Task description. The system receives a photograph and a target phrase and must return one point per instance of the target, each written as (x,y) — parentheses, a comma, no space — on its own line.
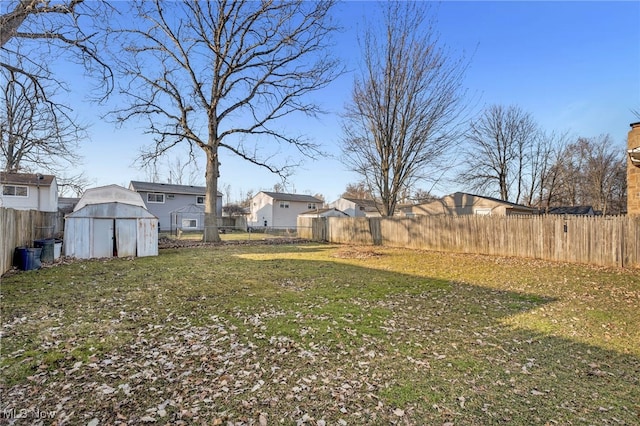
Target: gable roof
(169,188)
(283,196)
(30,179)
(466,194)
(322,211)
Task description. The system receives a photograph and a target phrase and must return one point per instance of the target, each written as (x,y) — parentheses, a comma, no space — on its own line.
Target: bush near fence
(20,228)
(605,241)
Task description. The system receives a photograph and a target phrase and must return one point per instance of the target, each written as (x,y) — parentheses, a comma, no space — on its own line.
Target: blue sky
(575,66)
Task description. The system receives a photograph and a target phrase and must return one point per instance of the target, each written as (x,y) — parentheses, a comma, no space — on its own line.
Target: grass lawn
(320,335)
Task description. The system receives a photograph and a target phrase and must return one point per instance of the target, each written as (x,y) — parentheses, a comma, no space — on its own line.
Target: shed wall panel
(126,237)
(102,238)
(147,237)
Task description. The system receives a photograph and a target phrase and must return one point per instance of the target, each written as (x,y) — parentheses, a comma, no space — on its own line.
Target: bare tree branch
(405,105)
(222,74)
(35,132)
(498,149)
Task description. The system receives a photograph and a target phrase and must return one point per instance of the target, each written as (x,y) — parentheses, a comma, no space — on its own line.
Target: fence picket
(605,241)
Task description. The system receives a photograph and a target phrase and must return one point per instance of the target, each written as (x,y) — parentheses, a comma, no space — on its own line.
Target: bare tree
(358,191)
(34,33)
(221,75)
(401,120)
(591,171)
(540,174)
(496,153)
(35,132)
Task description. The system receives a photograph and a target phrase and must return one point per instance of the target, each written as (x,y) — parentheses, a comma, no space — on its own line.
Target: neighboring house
(110,221)
(324,212)
(278,209)
(67,204)
(572,210)
(29,191)
(461,203)
(355,207)
(169,202)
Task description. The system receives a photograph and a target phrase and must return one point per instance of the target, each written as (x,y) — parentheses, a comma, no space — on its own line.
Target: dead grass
(320,334)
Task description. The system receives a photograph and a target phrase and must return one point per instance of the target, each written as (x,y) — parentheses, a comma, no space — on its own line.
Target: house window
(311,206)
(189,223)
(155,198)
(284,204)
(200,199)
(170,196)
(15,191)
(483,212)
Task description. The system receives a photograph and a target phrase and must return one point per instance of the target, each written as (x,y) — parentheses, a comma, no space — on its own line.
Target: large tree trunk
(211,198)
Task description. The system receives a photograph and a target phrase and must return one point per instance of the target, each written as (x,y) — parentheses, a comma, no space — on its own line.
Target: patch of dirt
(357,252)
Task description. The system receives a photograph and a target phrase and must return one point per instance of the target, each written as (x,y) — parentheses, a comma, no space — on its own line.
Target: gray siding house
(175,206)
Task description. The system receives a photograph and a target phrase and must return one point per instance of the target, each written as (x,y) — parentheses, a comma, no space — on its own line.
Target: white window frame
(15,188)
(311,206)
(284,204)
(198,197)
(194,221)
(155,200)
(482,211)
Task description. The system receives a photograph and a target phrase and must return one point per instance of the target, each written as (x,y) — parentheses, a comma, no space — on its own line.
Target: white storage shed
(110,222)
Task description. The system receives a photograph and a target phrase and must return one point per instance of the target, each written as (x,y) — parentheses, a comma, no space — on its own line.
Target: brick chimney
(633,172)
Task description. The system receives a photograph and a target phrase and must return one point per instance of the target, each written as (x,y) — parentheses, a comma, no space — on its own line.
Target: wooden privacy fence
(605,241)
(20,228)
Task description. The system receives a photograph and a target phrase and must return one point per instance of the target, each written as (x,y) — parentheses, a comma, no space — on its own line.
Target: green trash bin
(47,247)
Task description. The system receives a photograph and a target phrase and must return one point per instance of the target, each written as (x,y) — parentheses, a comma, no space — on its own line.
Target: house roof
(283,196)
(30,179)
(320,212)
(496,200)
(574,210)
(169,188)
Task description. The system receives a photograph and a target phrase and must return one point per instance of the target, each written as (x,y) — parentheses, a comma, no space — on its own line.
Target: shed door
(126,237)
(147,237)
(102,238)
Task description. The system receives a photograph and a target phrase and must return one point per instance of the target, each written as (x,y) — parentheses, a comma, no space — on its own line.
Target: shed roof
(108,194)
(283,196)
(111,210)
(169,188)
(32,179)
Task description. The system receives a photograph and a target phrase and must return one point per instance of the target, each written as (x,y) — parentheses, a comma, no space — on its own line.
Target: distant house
(461,203)
(28,191)
(67,204)
(175,206)
(324,212)
(572,210)
(355,207)
(278,209)
(110,221)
